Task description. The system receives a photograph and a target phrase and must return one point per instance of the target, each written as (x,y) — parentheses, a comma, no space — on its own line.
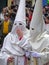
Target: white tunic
(15,47)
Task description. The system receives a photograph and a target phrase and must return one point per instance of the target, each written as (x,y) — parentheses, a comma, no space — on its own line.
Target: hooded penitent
(37,31)
(36,26)
(20,20)
(39,38)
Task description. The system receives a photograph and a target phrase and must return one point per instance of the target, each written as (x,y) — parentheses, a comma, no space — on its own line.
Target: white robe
(15,47)
(41,45)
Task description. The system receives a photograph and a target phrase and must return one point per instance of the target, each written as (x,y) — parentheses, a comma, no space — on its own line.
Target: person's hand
(10,59)
(35,54)
(27,54)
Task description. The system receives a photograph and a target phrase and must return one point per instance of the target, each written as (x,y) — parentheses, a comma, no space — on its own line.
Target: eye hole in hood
(20,23)
(32,28)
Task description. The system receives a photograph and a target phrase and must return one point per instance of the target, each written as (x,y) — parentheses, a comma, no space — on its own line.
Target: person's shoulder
(8,35)
(46,37)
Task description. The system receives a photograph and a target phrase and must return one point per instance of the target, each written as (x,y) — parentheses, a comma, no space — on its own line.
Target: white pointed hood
(36,26)
(20,19)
